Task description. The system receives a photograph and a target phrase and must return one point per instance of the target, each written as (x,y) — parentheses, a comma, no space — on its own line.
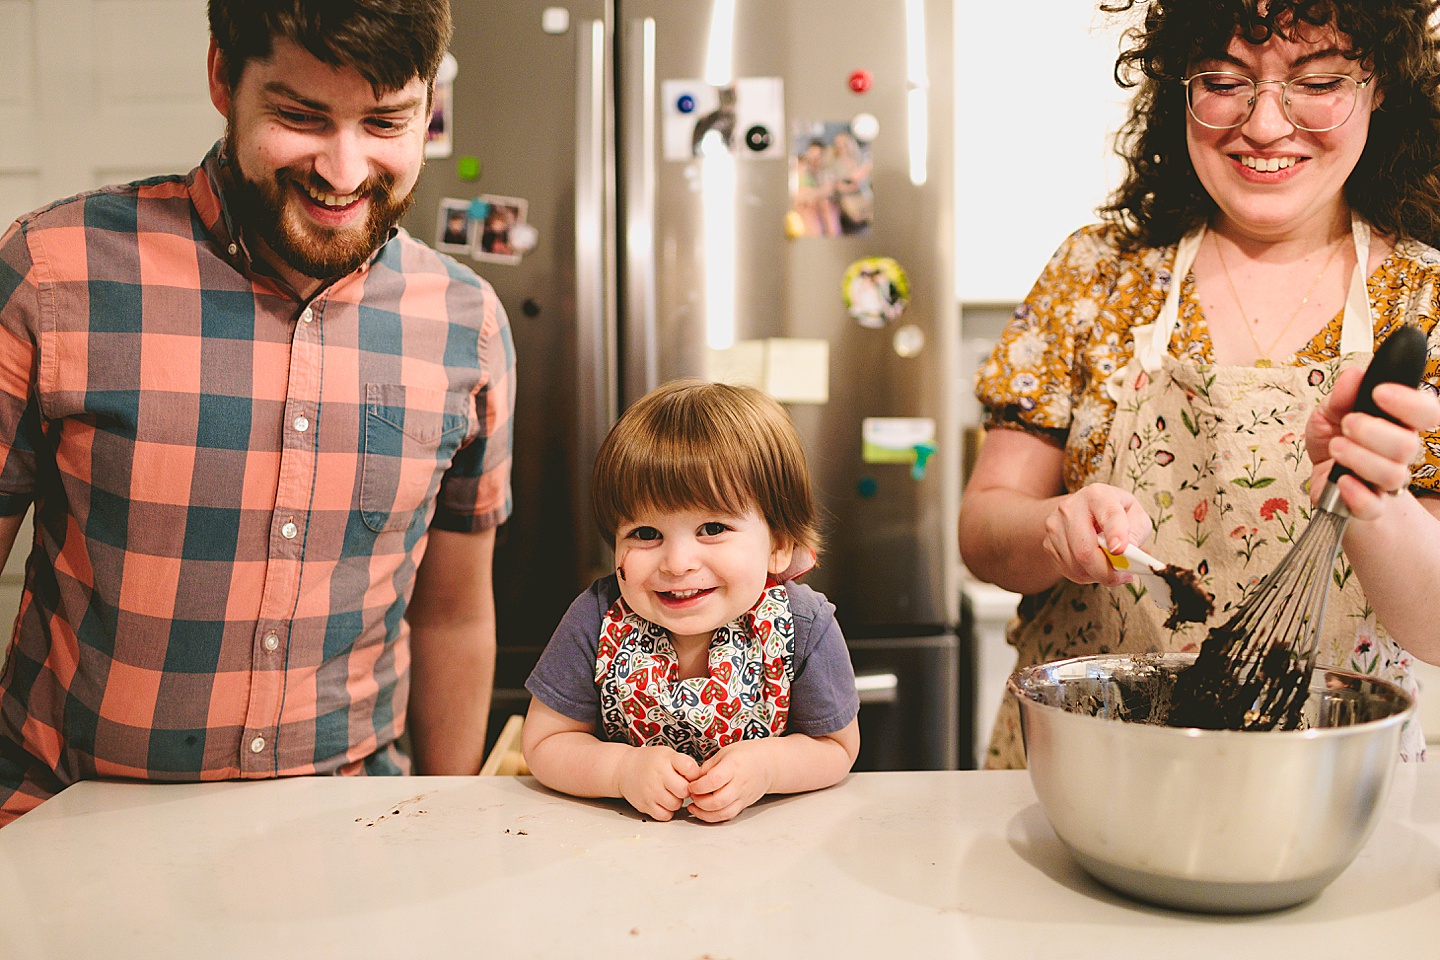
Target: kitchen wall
(1036,110)
(99,91)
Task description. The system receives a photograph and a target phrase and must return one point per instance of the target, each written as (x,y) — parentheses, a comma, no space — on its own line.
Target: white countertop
(903,865)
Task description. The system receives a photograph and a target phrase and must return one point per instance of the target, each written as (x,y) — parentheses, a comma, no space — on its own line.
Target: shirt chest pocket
(410,436)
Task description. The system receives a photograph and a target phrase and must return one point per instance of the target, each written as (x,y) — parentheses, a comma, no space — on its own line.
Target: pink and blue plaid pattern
(232,488)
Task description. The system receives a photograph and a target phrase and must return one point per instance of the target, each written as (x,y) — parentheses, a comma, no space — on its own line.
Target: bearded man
(265,433)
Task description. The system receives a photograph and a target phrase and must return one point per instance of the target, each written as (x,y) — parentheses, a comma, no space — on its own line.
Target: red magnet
(860,81)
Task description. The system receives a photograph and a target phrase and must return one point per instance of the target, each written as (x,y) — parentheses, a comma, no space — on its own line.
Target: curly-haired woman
(1173,366)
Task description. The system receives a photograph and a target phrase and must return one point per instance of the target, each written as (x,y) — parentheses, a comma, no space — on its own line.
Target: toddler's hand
(732,779)
(656,780)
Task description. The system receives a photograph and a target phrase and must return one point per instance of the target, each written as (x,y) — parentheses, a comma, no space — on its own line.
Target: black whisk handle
(1400,359)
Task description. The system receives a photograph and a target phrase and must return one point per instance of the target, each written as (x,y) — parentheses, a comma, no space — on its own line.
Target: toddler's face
(694,571)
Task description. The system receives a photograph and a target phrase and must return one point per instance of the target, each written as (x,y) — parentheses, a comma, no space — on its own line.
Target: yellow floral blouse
(1047,373)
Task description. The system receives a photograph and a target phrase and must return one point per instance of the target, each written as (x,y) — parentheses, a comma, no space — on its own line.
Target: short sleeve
(19,409)
(475,491)
(823,699)
(1414,267)
(564,676)
(1031,380)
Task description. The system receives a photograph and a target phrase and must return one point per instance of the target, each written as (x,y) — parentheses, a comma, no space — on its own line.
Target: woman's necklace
(1264,358)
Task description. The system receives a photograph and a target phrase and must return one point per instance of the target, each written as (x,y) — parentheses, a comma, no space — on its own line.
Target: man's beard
(268,208)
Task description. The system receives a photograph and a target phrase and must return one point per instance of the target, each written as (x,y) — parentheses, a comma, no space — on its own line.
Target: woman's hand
(735,777)
(1376,451)
(1020,530)
(656,780)
(1096,515)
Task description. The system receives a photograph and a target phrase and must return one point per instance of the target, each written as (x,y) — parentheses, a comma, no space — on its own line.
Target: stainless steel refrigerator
(657,158)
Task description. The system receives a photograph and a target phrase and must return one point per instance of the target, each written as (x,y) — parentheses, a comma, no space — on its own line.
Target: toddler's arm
(743,772)
(565,755)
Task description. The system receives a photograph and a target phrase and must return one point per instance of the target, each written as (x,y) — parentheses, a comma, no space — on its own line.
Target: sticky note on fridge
(797,371)
(742,364)
(897,439)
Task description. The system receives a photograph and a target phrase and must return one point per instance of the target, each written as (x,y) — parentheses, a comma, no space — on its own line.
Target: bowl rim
(1399,717)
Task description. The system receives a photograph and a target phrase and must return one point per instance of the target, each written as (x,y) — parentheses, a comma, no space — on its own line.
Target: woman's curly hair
(1396,183)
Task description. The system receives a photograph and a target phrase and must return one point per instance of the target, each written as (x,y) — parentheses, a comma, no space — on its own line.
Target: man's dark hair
(1396,183)
(388,42)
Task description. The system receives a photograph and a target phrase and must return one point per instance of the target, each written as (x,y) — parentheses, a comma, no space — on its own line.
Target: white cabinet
(992,609)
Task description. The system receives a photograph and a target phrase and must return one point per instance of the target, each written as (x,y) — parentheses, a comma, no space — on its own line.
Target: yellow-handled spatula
(1173,588)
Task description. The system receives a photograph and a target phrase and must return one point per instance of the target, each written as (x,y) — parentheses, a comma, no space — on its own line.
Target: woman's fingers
(1089,521)
(1417,409)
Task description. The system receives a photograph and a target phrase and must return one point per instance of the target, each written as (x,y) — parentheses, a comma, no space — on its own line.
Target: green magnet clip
(923,453)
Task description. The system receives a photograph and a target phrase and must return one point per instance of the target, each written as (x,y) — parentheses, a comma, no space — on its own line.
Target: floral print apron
(744,696)
(1216,456)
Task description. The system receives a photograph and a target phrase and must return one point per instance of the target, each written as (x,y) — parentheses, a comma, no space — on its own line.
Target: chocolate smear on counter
(1192,603)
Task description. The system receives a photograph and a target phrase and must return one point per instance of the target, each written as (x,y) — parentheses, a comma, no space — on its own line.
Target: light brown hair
(690,444)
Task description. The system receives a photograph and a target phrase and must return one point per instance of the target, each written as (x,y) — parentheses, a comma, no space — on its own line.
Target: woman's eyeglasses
(1315,102)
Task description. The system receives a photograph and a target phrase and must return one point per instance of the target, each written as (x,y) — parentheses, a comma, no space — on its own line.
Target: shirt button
(306,315)
(289,530)
(271,641)
(301,424)
(257,744)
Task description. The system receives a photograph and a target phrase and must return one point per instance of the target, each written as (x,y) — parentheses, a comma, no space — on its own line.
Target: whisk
(1253,671)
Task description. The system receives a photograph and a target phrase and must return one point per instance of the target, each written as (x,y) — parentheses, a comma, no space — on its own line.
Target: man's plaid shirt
(232,488)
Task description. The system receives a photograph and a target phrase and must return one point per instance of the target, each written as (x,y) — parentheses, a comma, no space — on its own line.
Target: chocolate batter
(1215,693)
(1191,602)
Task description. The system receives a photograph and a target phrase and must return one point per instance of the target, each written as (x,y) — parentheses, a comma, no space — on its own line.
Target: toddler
(699,671)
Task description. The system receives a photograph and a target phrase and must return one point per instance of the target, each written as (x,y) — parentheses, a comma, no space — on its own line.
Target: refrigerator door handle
(595,307)
(877,687)
(638,113)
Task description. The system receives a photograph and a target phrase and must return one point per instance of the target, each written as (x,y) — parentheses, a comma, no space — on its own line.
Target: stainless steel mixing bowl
(1211,820)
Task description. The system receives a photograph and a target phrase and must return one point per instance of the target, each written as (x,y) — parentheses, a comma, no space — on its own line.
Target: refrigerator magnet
(908,341)
(865,127)
(493,242)
(555,20)
(830,172)
(439,135)
(902,440)
(876,291)
(524,237)
(452,226)
(740,118)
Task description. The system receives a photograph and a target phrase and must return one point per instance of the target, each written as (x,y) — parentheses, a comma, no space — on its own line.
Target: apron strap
(1357,330)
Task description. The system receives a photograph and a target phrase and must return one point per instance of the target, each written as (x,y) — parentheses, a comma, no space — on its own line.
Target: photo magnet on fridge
(494,239)
(439,136)
(876,291)
(830,192)
(745,119)
(452,226)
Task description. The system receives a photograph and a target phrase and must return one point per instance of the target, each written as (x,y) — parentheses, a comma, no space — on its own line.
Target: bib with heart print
(744,696)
